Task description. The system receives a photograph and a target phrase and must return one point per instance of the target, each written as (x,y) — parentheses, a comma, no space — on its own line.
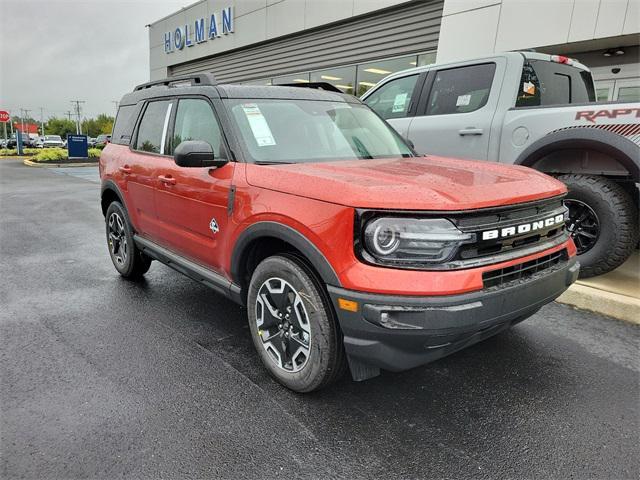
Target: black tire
(617,222)
(129,261)
(324,361)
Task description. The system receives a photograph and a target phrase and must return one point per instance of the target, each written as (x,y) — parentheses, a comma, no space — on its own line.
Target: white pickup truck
(535,110)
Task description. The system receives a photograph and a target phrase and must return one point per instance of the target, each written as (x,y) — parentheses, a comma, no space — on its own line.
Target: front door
(191,203)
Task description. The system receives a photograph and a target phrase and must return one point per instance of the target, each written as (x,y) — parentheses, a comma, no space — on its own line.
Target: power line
(78,122)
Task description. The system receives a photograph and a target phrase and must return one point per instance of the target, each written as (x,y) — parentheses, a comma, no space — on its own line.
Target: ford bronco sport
(347,248)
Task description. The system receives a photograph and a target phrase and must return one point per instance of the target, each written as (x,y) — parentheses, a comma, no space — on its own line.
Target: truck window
(461,90)
(195,121)
(392,100)
(152,128)
(550,83)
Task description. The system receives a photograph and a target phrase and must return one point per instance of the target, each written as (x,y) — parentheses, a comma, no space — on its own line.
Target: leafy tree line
(63,126)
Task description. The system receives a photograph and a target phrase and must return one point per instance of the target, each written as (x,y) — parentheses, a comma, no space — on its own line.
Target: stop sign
(4,116)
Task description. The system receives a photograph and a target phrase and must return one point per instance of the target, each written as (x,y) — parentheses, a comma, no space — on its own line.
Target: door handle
(126,169)
(167,179)
(471,131)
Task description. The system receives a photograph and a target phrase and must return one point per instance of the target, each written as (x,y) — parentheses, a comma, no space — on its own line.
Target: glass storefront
(353,79)
(344,78)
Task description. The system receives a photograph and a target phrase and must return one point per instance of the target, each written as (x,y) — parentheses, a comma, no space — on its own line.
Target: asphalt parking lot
(104,378)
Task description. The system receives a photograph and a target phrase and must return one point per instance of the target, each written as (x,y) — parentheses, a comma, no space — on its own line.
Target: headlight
(398,241)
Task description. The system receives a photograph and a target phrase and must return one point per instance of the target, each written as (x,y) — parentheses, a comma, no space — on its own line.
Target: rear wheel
(603,222)
(128,260)
(293,325)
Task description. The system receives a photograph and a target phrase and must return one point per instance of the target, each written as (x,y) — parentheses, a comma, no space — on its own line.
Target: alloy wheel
(583,225)
(117,238)
(283,324)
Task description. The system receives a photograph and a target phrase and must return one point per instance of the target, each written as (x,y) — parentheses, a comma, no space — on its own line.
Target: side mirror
(196,153)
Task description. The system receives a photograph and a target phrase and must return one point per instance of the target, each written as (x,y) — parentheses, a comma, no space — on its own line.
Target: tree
(105,123)
(60,126)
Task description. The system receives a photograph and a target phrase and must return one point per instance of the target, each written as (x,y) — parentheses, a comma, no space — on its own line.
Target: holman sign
(199,31)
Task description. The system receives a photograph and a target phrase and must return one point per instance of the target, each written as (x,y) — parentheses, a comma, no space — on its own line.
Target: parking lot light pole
(42,121)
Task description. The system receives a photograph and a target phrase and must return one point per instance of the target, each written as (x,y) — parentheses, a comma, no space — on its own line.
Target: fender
(289,235)
(111,185)
(611,144)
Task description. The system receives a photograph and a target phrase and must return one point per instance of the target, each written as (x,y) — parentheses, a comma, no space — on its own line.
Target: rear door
(456,110)
(138,167)
(396,100)
(192,202)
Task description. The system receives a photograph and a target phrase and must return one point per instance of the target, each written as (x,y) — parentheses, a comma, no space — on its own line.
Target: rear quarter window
(123,125)
(550,83)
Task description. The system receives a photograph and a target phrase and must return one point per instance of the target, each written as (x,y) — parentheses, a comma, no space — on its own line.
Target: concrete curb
(29,163)
(621,307)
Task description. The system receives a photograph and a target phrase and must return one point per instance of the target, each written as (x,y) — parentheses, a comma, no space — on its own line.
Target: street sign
(4,116)
(77,146)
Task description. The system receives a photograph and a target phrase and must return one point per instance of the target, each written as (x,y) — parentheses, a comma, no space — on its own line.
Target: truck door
(396,100)
(192,201)
(456,110)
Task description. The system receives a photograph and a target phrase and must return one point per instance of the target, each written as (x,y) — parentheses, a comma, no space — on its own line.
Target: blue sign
(19,142)
(197,32)
(78,146)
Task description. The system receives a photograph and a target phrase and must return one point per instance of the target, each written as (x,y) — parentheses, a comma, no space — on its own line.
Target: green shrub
(51,155)
(95,152)
(31,151)
(7,152)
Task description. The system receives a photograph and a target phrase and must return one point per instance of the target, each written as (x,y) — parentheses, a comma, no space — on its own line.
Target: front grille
(503,219)
(523,271)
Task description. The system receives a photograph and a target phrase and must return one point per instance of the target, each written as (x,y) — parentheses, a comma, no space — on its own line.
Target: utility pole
(42,121)
(22,119)
(78,124)
(26,114)
(117,104)
(68,114)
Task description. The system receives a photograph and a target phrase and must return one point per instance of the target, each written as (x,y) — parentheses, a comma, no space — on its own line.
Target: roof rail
(317,85)
(196,80)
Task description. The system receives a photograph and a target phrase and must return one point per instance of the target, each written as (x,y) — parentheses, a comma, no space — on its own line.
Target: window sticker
(259,126)
(529,88)
(399,103)
(463,100)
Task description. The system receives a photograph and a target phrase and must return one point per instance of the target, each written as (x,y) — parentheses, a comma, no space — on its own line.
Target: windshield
(297,131)
(53,137)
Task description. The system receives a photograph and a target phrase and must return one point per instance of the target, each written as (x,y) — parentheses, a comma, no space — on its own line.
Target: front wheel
(293,325)
(603,222)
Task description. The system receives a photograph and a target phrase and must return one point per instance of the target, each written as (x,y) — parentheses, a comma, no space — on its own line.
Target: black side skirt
(191,269)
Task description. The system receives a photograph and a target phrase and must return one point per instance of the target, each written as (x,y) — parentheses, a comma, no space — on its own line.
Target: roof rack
(317,85)
(195,79)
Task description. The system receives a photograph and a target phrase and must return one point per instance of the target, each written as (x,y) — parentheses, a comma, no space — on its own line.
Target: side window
(393,99)
(195,120)
(152,128)
(461,90)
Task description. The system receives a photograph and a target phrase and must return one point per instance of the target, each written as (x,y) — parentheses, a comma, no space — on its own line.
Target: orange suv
(347,249)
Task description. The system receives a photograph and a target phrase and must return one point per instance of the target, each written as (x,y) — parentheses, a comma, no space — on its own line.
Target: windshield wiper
(362,150)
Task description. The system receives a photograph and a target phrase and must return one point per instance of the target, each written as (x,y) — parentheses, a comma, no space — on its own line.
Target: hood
(418,183)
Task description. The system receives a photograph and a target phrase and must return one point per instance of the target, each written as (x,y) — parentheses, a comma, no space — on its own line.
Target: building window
(426,59)
(371,73)
(461,90)
(344,78)
(295,78)
(262,81)
(629,94)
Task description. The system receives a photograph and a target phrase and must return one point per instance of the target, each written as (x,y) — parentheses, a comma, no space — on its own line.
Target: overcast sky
(54,51)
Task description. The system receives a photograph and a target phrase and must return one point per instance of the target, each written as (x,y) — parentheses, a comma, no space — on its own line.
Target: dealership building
(353,44)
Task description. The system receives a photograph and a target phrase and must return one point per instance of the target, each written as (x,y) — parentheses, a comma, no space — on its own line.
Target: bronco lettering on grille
(523,228)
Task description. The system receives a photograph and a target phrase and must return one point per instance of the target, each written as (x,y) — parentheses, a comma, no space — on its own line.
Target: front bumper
(393,332)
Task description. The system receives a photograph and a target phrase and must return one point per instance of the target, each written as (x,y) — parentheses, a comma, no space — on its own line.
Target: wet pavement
(105,378)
